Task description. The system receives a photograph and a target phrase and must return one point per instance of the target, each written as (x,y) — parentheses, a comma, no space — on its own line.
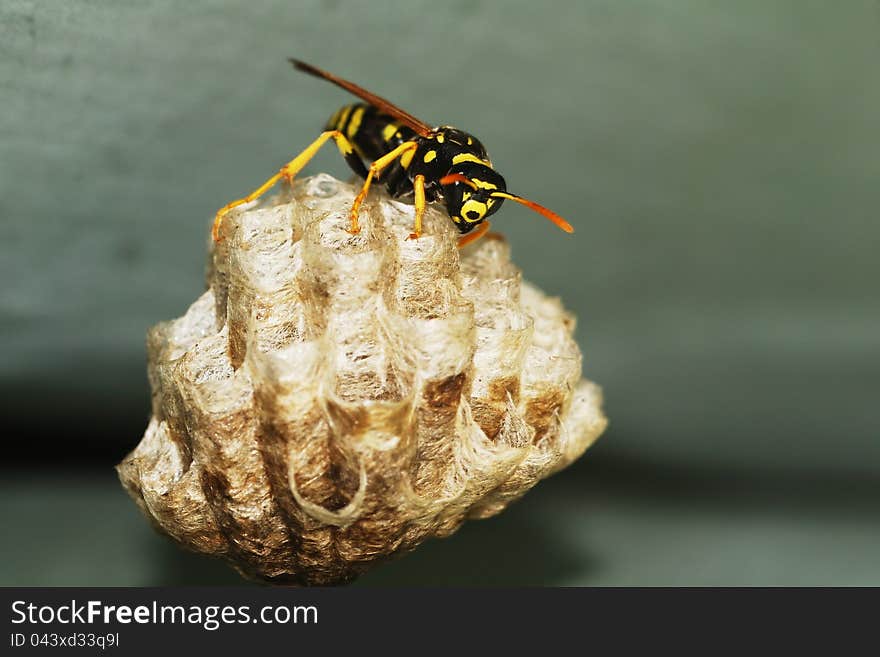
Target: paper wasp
(411,159)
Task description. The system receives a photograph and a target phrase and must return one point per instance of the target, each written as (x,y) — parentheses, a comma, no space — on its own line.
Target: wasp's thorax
(469,203)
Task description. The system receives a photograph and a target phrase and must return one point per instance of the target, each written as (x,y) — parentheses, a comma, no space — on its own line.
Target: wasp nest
(335,399)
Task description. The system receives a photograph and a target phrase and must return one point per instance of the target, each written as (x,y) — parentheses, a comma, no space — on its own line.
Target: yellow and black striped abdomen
(372,134)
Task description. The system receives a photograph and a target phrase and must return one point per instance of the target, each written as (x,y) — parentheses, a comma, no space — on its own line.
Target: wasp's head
(474,191)
(467,190)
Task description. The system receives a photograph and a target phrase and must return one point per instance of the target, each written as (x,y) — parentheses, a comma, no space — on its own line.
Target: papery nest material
(334,399)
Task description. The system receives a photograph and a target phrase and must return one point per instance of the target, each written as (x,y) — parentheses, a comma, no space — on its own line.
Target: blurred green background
(721,162)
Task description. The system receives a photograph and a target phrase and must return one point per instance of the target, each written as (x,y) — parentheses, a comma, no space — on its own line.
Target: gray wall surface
(721,162)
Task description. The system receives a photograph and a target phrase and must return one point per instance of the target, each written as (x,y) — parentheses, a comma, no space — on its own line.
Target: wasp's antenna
(540,209)
(457,177)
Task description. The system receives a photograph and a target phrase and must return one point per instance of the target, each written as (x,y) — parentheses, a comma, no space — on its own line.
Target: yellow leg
(419,187)
(287,172)
(375,168)
(481,230)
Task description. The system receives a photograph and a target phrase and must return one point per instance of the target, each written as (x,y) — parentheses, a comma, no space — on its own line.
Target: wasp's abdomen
(371,133)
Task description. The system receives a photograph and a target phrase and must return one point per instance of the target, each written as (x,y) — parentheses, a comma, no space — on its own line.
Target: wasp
(412,160)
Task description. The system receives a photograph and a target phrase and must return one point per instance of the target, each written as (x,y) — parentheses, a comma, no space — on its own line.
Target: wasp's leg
(376,167)
(287,172)
(419,188)
(254,195)
(481,230)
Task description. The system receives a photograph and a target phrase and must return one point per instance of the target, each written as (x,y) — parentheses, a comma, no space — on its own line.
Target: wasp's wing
(383,105)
